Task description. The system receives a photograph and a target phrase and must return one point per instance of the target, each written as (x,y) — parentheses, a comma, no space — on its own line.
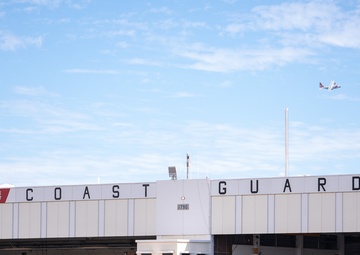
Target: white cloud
(102,140)
(344,97)
(121,32)
(183,94)
(319,21)
(91,71)
(229,1)
(30,91)
(47,3)
(46,118)
(161,10)
(324,144)
(141,61)
(297,16)
(230,60)
(137,152)
(310,23)
(192,24)
(10,42)
(76,4)
(290,32)
(345,33)
(235,28)
(122,45)
(226,84)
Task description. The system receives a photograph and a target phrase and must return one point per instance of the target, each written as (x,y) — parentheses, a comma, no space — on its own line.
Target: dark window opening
(323,242)
(328,242)
(223,244)
(278,240)
(268,240)
(243,239)
(311,242)
(286,241)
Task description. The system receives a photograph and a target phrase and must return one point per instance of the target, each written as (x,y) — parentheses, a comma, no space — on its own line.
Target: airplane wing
(336,86)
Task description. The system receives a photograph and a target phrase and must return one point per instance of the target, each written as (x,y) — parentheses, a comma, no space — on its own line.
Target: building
(287,215)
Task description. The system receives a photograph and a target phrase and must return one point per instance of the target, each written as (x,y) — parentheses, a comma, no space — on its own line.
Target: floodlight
(172,172)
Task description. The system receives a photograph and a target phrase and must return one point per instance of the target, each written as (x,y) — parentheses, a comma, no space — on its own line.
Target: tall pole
(187,165)
(286,142)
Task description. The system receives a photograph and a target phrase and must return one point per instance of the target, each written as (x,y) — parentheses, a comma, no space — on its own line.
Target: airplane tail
(320,85)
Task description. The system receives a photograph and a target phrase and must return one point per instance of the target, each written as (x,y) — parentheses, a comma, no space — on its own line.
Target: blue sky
(117,91)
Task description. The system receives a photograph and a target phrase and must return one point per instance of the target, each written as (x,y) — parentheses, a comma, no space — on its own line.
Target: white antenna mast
(286,142)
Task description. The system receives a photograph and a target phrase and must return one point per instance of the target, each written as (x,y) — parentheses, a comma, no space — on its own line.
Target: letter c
(27,195)
(222,187)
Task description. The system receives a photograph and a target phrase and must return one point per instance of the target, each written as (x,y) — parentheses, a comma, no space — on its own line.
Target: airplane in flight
(332,86)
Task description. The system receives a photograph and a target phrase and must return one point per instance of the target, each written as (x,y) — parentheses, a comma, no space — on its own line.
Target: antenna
(286,142)
(187,165)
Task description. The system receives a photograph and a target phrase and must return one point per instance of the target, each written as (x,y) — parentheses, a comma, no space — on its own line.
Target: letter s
(116,193)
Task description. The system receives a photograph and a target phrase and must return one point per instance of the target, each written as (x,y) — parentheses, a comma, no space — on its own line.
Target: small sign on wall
(183,206)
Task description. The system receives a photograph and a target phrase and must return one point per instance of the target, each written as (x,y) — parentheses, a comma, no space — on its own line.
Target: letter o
(57,193)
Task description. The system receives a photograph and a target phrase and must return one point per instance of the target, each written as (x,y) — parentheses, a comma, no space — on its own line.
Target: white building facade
(287,215)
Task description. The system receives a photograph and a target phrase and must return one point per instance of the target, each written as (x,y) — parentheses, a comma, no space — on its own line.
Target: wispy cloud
(132,129)
(91,71)
(235,29)
(322,22)
(217,150)
(47,3)
(121,32)
(11,42)
(161,10)
(293,33)
(142,61)
(183,94)
(52,4)
(46,117)
(344,97)
(122,45)
(300,16)
(30,91)
(230,60)
(344,34)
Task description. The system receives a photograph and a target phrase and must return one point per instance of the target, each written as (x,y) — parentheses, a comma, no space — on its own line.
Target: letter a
(287,185)
(86,192)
